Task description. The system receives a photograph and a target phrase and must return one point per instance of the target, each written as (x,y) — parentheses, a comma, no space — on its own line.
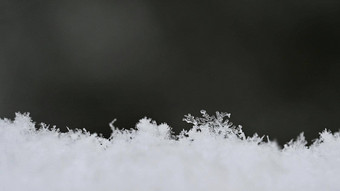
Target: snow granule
(213,155)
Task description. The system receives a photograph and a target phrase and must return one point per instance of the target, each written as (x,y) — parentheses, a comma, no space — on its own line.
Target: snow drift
(213,155)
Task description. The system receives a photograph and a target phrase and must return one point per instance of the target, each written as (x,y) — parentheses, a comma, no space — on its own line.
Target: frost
(213,155)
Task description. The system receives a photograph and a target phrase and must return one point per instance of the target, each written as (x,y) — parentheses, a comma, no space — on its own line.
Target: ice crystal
(217,124)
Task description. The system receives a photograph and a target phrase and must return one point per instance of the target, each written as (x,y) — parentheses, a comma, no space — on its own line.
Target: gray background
(273,65)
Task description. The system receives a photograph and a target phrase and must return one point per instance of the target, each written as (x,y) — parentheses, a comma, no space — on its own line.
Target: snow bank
(213,155)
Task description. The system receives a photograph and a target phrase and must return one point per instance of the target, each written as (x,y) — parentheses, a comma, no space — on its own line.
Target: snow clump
(213,155)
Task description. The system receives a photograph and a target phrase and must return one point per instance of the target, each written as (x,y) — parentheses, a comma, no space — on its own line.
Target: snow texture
(213,155)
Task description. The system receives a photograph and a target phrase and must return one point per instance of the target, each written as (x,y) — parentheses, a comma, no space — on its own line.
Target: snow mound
(213,155)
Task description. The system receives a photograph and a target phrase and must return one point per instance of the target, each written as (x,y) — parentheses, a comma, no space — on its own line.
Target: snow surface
(213,155)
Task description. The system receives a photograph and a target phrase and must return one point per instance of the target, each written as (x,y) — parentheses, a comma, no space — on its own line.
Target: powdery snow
(213,155)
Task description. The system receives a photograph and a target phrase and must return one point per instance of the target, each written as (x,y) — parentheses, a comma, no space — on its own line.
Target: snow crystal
(213,155)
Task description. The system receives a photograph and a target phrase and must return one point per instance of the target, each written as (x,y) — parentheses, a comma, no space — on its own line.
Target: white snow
(213,155)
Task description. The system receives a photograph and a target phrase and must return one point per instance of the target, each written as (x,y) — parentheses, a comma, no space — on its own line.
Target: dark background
(274,65)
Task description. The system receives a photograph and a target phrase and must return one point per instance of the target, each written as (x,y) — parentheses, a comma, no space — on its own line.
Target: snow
(213,155)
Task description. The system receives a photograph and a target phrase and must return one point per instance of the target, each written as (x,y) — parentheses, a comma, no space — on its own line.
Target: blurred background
(79,64)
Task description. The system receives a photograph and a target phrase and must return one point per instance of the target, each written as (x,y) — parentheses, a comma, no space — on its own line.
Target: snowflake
(217,124)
